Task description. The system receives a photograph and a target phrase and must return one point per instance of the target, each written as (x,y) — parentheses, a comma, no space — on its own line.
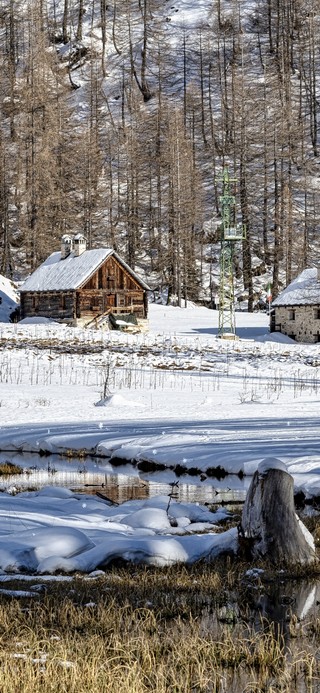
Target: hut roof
(56,274)
(304,290)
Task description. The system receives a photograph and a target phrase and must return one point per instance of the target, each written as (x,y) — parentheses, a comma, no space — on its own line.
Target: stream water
(119,483)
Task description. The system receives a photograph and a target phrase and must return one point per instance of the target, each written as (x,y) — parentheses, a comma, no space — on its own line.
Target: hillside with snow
(118,121)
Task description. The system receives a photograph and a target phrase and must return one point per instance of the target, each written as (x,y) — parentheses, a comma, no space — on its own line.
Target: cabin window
(100,279)
(62,302)
(35,302)
(292,314)
(317,314)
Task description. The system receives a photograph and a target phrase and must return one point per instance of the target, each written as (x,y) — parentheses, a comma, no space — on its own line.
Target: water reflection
(280,600)
(119,483)
(273,630)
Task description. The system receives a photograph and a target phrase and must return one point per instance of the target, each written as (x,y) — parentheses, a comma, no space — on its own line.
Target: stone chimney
(79,244)
(66,246)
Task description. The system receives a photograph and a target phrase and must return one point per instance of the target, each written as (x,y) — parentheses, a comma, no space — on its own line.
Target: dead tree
(270,527)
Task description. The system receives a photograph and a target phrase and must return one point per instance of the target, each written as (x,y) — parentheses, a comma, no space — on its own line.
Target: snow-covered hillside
(9,299)
(119,120)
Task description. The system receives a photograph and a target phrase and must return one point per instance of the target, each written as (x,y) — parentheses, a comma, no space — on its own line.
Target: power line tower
(231,233)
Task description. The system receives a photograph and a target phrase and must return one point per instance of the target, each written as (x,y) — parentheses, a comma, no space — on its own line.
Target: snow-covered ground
(177,396)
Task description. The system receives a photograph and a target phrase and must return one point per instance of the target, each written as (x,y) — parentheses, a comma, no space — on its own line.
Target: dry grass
(136,630)
(8,468)
(107,648)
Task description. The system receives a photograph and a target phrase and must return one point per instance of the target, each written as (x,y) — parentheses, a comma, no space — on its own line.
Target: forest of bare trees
(117,121)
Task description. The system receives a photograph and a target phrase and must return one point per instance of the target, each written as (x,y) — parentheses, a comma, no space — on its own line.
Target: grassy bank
(138,629)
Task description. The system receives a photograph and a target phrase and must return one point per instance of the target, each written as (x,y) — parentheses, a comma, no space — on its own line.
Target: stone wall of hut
(301,323)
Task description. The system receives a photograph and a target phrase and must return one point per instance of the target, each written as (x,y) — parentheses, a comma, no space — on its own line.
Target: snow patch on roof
(304,290)
(56,274)
(61,275)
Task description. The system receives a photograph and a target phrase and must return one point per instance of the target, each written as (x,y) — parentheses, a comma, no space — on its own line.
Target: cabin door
(109,302)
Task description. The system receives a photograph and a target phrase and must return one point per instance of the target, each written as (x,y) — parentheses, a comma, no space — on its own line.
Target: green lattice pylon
(230,234)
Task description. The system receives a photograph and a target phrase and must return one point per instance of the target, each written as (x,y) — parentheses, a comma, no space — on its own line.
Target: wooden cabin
(80,286)
(296,311)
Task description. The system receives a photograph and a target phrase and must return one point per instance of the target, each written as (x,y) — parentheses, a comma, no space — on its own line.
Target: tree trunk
(270,527)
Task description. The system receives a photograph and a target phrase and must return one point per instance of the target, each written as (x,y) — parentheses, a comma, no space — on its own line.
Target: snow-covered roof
(56,274)
(304,290)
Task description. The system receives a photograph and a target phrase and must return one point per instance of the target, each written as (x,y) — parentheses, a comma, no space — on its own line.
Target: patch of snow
(276,337)
(153,518)
(307,535)
(9,298)
(271,463)
(116,401)
(37,321)
(254,572)
(19,594)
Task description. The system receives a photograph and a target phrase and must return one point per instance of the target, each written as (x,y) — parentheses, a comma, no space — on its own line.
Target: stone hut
(296,311)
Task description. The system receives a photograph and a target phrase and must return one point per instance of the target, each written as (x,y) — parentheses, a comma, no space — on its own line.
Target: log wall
(51,304)
(111,288)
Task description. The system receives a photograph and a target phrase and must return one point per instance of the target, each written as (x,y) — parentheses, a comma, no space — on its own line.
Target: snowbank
(9,298)
(56,530)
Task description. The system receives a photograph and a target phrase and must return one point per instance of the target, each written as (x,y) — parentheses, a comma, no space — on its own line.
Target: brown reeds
(135,630)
